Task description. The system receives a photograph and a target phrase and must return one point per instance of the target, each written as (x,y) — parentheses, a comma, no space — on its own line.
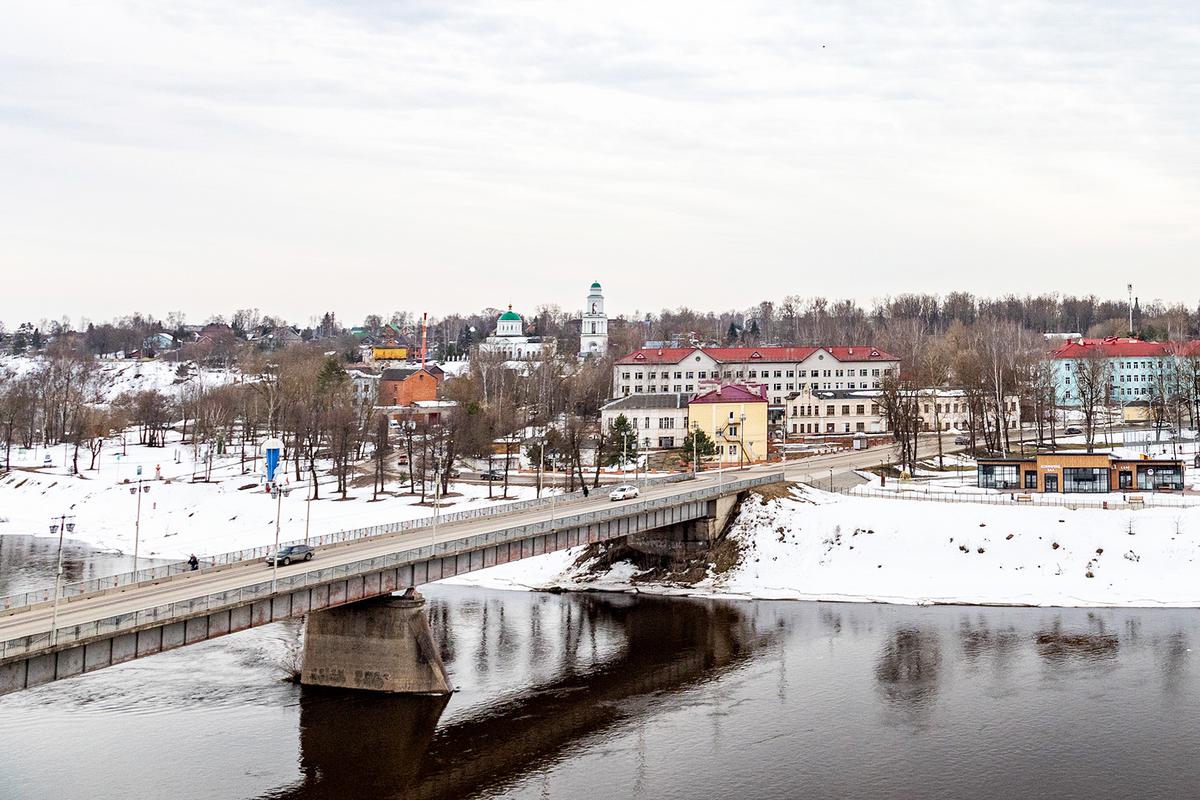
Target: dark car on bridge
(286,555)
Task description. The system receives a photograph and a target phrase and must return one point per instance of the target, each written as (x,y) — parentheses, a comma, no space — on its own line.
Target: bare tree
(1092,379)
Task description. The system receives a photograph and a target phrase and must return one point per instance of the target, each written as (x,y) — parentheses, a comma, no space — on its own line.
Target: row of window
(830,427)
(831,410)
(679,388)
(664,423)
(754,373)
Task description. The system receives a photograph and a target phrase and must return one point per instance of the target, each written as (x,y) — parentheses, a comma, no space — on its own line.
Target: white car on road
(623,492)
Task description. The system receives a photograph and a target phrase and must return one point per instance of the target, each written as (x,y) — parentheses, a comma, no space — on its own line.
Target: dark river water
(614,696)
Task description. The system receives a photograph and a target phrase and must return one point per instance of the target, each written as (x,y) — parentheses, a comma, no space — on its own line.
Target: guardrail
(1129,501)
(262,589)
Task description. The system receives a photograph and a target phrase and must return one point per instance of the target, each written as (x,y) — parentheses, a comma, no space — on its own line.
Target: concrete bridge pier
(379,645)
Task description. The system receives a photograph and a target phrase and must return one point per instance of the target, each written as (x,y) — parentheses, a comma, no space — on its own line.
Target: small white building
(659,419)
(829,412)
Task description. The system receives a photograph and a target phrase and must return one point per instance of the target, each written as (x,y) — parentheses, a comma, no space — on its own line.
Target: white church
(510,340)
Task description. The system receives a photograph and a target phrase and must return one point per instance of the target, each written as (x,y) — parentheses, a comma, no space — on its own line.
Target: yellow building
(389,354)
(735,418)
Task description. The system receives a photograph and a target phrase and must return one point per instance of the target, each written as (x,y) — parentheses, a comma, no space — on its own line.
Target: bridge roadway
(115,625)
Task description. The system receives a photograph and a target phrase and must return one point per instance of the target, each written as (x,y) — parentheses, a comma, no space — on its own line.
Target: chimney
(424,334)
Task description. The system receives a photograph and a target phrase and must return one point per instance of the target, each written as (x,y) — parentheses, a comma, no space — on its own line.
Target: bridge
(350,584)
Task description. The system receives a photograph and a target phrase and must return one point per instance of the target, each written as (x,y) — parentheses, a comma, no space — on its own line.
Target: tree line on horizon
(794,320)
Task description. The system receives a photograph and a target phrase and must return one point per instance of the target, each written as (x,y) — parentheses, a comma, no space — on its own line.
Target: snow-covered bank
(817,546)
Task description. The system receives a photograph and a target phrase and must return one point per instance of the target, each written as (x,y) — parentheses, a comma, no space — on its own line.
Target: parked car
(491,475)
(962,439)
(623,492)
(290,553)
(1073,431)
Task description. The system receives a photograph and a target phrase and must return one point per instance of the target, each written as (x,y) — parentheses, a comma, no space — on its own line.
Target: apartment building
(779,371)
(1137,370)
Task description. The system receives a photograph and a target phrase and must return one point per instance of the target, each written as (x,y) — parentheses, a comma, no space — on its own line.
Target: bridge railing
(171,612)
(158,572)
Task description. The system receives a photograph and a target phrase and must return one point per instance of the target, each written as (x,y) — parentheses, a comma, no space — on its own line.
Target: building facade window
(1160,478)
(999,476)
(1085,480)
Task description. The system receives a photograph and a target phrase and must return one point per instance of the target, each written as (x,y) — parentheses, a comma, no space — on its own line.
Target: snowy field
(179,517)
(818,546)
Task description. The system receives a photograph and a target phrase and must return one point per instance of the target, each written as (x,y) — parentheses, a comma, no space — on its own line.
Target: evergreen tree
(698,442)
(621,441)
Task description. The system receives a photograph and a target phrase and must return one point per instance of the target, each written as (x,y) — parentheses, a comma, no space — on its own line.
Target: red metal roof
(674,355)
(1114,347)
(731,393)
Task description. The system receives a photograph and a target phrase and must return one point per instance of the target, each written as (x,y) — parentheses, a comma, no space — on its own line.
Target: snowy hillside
(118,376)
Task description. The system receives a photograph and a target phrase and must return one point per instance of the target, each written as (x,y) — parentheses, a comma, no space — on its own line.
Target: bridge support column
(380,645)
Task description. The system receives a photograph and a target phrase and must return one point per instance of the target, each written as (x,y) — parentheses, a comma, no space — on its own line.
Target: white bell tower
(593,333)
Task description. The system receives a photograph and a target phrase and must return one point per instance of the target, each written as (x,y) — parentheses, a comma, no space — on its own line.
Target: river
(597,696)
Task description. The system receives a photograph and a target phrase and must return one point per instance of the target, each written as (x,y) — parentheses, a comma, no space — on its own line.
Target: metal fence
(263,589)
(1069,501)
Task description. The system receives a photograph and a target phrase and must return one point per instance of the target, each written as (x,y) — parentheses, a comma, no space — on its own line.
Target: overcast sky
(360,156)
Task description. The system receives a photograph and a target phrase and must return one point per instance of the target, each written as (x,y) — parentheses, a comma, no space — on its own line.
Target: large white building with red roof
(1138,370)
(780,371)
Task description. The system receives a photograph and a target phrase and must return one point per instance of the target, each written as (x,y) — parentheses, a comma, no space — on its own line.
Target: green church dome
(510,316)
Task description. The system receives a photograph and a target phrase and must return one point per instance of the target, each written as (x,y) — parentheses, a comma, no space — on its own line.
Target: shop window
(1086,480)
(999,476)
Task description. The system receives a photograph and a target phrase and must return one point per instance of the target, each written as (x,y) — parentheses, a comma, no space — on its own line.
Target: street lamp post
(307,513)
(59,527)
(541,462)
(278,492)
(720,457)
(137,522)
(437,501)
(695,448)
(741,439)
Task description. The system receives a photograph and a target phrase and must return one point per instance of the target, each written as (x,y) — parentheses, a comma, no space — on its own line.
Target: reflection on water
(30,562)
(388,747)
(597,696)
